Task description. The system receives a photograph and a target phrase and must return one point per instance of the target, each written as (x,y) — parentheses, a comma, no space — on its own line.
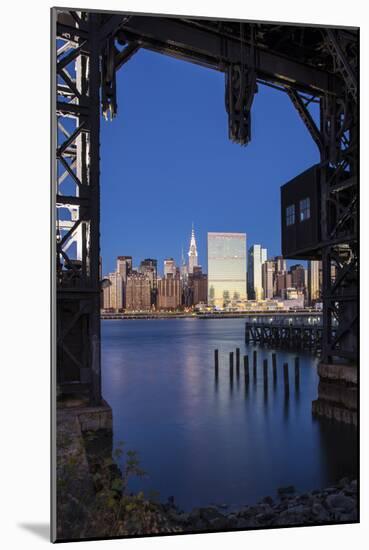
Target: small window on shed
(304,209)
(290,214)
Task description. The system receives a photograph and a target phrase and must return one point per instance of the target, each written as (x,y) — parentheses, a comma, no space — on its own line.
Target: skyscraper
(283,281)
(298,277)
(268,279)
(138,292)
(149,268)
(124,266)
(169,267)
(226,268)
(196,290)
(281,264)
(192,253)
(115,291)
(314,281)
(264,255)
(106,296)
(256,257)
(169,292)
(184,267)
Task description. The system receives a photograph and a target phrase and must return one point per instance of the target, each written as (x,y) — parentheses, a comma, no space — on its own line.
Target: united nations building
(226,269)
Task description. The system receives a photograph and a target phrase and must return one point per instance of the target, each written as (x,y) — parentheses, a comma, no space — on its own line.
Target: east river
(206,442)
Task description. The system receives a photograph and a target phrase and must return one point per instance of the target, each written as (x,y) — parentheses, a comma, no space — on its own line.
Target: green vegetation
(97,503)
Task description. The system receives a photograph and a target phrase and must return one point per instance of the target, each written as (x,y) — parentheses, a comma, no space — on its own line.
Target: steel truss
(339,189)
(77,127)
(337,140)
(311,65)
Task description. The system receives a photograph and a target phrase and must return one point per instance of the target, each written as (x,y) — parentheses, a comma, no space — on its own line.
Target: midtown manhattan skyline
(179,166)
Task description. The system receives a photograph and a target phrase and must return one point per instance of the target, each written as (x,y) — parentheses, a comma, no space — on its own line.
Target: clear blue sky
(166,161)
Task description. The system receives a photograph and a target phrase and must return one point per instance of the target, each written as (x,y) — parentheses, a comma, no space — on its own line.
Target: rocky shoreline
(335,504)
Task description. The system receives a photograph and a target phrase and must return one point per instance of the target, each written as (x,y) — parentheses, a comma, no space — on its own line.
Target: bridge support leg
(76,189)
(339,198)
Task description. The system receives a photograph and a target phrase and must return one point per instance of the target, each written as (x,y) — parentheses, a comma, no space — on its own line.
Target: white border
(24,222)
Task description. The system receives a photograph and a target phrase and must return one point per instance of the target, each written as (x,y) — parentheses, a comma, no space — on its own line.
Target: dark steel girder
(342,63)
(179,39)
(305,116)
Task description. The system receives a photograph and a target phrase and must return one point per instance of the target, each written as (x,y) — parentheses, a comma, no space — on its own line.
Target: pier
(302,331)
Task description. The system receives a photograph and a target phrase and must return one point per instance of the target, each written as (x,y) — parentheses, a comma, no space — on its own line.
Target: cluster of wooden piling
(286,377)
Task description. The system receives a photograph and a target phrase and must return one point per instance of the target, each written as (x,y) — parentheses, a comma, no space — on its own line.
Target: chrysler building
(192,253)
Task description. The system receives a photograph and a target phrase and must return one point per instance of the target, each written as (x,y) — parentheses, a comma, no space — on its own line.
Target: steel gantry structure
(313,65)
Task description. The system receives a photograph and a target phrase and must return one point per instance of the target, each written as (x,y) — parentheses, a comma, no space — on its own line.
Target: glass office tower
(226,269)
(257,256)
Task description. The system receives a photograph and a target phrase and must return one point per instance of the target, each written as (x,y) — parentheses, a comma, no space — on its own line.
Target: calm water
(204,442)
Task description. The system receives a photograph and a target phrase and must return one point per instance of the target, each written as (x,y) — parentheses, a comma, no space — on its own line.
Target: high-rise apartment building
(264,255)
(256,257)
(124,266)
(114,292)
(314,281)
(169,267)
(184,268)
(169,292)
(198,284)
(149,268)
(138,292)
(298,277)
(226,268)
(106,296)
(283,281)
(268,279)
(280,264)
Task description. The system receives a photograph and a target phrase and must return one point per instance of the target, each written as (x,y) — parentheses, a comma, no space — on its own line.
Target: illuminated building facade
(226,269)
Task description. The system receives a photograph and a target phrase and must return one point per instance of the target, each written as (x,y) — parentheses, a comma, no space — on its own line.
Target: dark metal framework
(311,64)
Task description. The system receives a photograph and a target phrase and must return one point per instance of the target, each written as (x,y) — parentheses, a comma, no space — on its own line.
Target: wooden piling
(255,358)
(216,363)
(238,361)
(231,364)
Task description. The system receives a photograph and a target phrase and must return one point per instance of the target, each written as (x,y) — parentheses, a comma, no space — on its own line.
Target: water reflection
(198,438)
(286,404)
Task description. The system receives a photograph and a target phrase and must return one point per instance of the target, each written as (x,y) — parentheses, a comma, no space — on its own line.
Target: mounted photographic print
(205,275)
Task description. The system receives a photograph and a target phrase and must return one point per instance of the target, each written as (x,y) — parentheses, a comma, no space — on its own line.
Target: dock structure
(282,331)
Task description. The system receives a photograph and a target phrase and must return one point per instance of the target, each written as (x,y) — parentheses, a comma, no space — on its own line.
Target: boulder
(292,516)
(200,525)
(182,517)
(244,512)
(210,513)
(340,502)
(320,513)
(350,517)
(242,523)
(219,524)
(265,517)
